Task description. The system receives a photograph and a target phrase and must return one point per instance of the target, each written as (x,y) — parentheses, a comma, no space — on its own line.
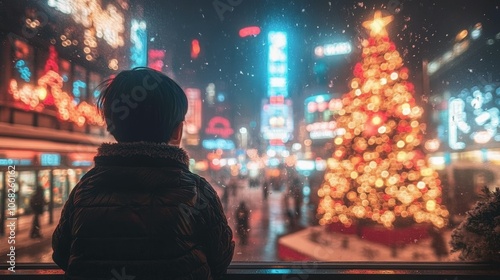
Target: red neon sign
(219,126)
(195,48)
(249,31)
(155,58)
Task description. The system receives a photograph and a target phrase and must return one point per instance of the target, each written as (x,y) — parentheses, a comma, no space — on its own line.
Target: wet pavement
(30,250)
(267,222)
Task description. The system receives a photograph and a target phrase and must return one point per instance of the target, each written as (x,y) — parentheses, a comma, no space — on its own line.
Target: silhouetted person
(140,212)
(37,203)
(233,186)
(242,214)
(225,196)
(265,189)
(296,194)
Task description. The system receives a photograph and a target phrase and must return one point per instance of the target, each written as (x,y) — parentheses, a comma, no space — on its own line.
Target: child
(140,212)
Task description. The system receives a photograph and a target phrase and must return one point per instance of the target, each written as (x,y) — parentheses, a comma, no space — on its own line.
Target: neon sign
(50,159)
(15,161)
(277,121)
(76,90)
(139,40)
(219,126)
(277,65)
(36,97)
(319,116)
(195,48)
(474,117)
(23,70)
(214,144)
(155,58)
(66,108)
(333,49)
(193,115)
(249,31)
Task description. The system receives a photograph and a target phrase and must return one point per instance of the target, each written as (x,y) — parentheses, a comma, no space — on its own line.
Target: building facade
(54,54)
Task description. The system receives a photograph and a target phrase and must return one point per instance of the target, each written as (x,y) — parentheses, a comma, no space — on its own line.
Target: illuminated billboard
(473,118)
(333,49)
(319,116)
(277,121)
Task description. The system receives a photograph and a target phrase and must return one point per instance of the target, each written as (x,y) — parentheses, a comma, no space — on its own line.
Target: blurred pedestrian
(225,196)
(140,208)
(233,186)
(242,214)
(296,194)
(37,204)
(265,189)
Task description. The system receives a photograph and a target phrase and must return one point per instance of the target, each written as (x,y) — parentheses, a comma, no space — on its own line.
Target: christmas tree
(378,172)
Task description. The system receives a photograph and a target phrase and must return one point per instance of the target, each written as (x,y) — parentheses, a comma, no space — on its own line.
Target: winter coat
(140,213)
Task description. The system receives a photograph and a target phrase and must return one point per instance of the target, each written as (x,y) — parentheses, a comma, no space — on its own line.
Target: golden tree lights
(378,171)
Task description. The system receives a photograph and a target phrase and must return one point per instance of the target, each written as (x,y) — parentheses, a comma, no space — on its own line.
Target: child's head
(143,104)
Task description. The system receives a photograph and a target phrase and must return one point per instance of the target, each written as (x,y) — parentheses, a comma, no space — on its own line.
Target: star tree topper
(377,25)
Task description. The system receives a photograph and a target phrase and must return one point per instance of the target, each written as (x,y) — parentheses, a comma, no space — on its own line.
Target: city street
(267,223)
(32,250)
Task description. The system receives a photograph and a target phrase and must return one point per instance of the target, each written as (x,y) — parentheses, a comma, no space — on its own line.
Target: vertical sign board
(277,118)
(139,44)
(193,116)
(277,64)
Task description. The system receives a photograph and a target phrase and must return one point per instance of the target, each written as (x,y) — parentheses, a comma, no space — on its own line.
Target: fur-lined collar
(145,149)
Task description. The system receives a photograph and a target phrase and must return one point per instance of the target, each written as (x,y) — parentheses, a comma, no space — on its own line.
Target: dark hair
(142,104)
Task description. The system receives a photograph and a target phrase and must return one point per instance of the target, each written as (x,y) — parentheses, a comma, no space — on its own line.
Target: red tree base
(382,235)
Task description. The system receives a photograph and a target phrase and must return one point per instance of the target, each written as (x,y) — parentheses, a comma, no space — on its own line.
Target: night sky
(421,30)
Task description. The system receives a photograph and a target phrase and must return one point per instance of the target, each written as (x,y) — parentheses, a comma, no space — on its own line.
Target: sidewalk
(23,239)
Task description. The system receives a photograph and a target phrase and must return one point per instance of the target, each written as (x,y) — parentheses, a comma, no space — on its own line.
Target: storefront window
(94,80)
(60,187)
(44,181)
(27,185)
(74,175)
(65,71)
(2,183)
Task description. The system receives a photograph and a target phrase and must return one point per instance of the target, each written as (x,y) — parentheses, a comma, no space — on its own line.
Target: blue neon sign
(277,65)
(50,159)
(214,144)
(139,46)
(23,70)
(473,117)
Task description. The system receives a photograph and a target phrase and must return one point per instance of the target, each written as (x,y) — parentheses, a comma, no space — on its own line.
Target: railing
(309,270)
